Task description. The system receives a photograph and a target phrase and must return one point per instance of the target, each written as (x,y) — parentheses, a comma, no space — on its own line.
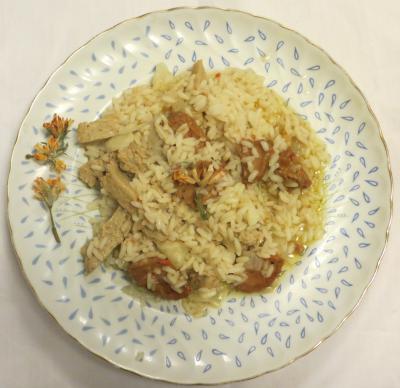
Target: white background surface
(36,36)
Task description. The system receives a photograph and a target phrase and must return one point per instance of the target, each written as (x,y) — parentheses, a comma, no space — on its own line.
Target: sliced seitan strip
(199,73)
(117,185)
(132,158)
(91,172)
(111,234)
(101,129)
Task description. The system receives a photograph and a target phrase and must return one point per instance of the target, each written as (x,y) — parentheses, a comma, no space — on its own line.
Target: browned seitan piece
(111,234)
(290,168)
(117,185)
(91,172)
(200,176)
(100,129)
(199,73)
(132,158)
(259,164)
(177,119)
(140,270)
(187,194)
(256,281)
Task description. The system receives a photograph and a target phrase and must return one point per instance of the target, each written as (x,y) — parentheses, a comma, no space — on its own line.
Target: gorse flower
(44,151)
(59,166)
(48,191)
(49,152)
(58,126)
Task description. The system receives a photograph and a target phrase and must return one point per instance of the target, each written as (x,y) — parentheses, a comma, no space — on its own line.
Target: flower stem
(53,225)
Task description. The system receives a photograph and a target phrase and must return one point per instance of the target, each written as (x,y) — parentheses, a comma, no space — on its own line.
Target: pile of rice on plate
(209,184)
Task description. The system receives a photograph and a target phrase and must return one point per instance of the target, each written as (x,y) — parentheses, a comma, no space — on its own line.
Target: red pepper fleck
(165,262)
(218,75)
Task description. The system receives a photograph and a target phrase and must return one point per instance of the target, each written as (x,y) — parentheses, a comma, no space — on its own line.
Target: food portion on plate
(208,183)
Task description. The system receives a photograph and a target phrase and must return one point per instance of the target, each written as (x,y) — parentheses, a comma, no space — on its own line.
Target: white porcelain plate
(250,335)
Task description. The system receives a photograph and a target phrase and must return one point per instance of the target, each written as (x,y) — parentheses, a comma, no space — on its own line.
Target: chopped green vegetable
(201,207)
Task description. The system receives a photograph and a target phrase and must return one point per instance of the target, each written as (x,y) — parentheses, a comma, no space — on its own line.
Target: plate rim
(211,8)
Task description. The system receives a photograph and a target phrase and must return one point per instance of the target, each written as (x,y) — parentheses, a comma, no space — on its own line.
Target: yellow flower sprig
(48,191)
(49,152)
(58,126)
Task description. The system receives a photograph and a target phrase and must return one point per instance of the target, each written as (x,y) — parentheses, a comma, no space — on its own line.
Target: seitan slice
(111,234)
(91,172)
(117,185)
(101,129)
(199,73)
(131,158)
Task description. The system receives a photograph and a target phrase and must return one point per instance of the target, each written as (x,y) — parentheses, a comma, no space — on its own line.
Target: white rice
(262,219)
